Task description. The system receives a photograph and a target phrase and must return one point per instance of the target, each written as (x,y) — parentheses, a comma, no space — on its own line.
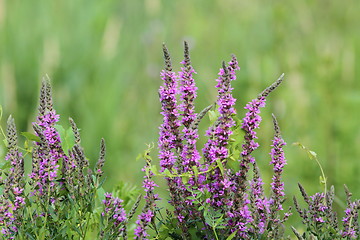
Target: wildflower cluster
(12,200)
(207,193)
(215,196)
(115,216)
(322,221)
(216,193)
(146,217)
(37,205)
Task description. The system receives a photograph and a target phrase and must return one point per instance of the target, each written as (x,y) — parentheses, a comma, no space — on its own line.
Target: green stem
(214,230)
(312,155)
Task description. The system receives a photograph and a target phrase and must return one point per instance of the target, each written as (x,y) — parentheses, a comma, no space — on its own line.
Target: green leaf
(100,192)
(213,116)
(233,164)
(167,173)
(101,182)
(219,220)
(5,165)
(154,170)
(191,198)
(5,142)
(185,179)
(139,156)
(53,214)
(231,236)
(220,165)
(28,234)
(212,217)
(31,137)
(208,219)
(70,137)
(196,171)
(67,138)
(60,129)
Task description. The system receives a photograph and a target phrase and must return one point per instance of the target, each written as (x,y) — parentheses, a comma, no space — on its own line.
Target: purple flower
(14,181)
(250,123)
(259,204)
(17,190)
(48,152)
(12,198)
(319,217)
(115,216)
(278,160)
(8,220)
(169,139)
(350,220)
(143,219)
(215,150)
(189,154)
(149,185)
(147,214)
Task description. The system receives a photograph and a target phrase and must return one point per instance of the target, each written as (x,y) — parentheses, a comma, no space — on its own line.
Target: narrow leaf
(31,137)
(231,236)
(220,166)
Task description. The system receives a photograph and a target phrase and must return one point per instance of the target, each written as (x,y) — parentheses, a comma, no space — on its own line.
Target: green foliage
(30,137)
(235,143)
(127,192)
(67,138)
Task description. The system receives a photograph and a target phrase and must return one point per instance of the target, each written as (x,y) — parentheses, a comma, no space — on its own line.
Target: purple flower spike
(250,123)
(189,155)
(12,199)
(48,152)
(350,220)
(259,203)
(220,184)
(14,182)
(277,185)
(351,226)
(219,134)
(278,160)
(115,216)
(170,142)
(144,219)
(169,131)
(148,212)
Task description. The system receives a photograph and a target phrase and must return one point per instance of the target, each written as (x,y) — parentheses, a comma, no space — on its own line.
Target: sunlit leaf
(31,137)
(67,138)
(213,116)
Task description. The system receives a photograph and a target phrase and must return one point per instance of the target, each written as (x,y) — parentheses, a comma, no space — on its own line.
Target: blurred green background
(104,59)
